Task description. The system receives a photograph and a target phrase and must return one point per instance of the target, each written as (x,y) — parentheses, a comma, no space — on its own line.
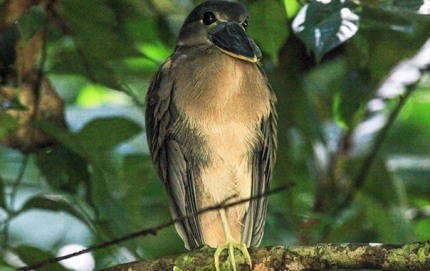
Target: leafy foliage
(31,22)
(341,71)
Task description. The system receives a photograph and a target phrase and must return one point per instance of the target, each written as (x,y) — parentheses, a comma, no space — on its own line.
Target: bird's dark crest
(233,10)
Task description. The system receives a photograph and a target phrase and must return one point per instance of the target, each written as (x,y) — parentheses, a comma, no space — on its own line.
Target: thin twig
(154,230)
(10,208)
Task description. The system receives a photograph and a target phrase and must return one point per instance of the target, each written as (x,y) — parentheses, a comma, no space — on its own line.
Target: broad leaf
(54,203)
(8,124)
(292,7)
(63,169)
(422,228)
(106,133)
(66,138)
(413,5)
(97,40)
(393,34)
(31,22)
(32,255)
(5,266)
(268,26)
(352,98)
(110,215)
(323,25)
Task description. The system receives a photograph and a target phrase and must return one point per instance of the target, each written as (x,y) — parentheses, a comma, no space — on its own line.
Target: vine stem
(364,171)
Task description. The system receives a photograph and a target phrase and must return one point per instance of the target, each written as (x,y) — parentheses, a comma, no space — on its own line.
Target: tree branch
(154,230)
(298,258)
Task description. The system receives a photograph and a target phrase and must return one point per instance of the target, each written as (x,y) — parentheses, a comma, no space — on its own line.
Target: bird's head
(222,24)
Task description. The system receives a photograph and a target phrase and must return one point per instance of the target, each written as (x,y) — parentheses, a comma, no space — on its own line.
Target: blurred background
(354,124)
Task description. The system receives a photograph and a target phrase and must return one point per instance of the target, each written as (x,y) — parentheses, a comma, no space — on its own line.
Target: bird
(211,127)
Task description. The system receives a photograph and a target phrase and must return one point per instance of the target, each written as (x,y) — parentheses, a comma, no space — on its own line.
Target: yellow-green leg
(230,245)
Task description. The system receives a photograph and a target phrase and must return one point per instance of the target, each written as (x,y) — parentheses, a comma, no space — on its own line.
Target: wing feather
(263,160)
(169,159)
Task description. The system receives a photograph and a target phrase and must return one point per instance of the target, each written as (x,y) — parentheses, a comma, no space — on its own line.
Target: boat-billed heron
(211,129)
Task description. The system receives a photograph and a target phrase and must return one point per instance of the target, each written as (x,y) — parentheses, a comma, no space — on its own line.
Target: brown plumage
(211,126)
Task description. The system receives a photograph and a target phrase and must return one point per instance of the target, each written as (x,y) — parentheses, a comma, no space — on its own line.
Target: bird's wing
(263,160)
(169,159)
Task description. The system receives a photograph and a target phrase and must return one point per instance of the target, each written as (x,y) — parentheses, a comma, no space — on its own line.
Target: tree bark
(372,256)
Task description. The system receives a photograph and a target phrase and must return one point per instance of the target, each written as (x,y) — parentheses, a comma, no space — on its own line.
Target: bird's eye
(245,24)
(209,18)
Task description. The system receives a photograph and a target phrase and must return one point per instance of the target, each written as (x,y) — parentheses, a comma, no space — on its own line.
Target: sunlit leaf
(31,22)
(292,7)
(422,229)
(53,203)
(268,26)
(32,255)
(97,95)
(106,133)
(91,95)
(323,25)
(156,51)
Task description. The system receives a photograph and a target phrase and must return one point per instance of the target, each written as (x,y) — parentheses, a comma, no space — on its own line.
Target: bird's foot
(230,246)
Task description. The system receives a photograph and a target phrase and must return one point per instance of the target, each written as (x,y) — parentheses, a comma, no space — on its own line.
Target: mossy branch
(414,256)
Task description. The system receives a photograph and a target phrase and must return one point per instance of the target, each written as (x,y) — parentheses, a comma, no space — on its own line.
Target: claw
(230,245)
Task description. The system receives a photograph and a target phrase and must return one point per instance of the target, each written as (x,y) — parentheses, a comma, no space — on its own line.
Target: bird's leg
(230,245)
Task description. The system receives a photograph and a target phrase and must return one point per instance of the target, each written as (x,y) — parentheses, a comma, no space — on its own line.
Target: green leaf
(141,188)
(323,26)
(2,194)
(32,255)
(31,22)
(100,40)
(352,98)
(63,169)
(68,139)
(413,5)
(106,133)
(6,266)
(8,124)
(422,228)
(268,26)
(388,222)
(54,203)
(114,218)
(393,34)
(292,7)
